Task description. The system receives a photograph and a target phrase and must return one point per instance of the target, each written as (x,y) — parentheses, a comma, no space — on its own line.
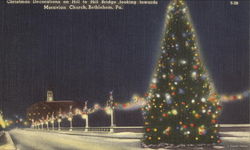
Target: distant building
(50,108)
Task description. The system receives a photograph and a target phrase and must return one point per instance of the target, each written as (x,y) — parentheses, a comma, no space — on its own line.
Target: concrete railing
(235,127)
(139,129)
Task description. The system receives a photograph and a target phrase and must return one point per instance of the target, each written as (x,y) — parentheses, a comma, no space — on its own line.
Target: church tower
(50,96)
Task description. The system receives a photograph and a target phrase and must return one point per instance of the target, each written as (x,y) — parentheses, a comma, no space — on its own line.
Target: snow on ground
(30,140)
(234,125)
(120,135)
(43,140)
(235,134)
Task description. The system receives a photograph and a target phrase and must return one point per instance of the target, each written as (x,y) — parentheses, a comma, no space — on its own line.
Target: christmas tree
(182,107)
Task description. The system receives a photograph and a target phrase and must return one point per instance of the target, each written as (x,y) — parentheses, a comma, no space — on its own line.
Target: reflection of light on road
(55,141)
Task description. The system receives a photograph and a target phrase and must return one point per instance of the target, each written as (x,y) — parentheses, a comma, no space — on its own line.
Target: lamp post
(70,123)
(112,120)
(59,120)
(59,123)
(47,121)
(87,123)
(42,125)
(110,110)
(32,124)
(70,118)
(53,125)
(47,124)
(86,116)
(52,121)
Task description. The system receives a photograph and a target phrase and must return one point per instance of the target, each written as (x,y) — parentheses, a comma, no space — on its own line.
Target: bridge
(67,110)
(48,132)
(123,138)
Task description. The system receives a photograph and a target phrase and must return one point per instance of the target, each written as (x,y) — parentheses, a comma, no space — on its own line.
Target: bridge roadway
(30,140)
(233,136)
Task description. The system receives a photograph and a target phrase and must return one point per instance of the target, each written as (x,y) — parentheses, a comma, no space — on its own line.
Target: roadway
(43,140)
(38,140)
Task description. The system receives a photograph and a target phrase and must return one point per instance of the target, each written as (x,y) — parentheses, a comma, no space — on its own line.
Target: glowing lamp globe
(84,116)
(108,110)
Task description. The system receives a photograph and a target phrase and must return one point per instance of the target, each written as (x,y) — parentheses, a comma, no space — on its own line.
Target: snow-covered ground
(6,143)
(30,140)
(43,140)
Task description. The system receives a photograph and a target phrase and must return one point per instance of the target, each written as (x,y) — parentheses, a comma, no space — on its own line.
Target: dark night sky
(82,55)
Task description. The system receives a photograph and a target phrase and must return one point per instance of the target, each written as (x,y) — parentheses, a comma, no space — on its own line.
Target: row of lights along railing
(85,116)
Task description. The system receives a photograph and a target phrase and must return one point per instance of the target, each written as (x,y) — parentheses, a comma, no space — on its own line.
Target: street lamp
(70,117)
(37,126)
(70,121)
(47,124)
(86,117)
(59,123)
(110,110)
(52,122)
(59,120)
(47,121)
(42,125)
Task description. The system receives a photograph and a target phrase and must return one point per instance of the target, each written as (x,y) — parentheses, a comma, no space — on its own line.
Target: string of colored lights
(138,102)
(135,103)
(235,97)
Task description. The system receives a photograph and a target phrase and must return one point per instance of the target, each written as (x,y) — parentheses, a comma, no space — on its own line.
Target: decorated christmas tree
(182,106)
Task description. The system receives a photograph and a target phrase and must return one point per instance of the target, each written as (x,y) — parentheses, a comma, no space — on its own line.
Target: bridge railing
(137,129)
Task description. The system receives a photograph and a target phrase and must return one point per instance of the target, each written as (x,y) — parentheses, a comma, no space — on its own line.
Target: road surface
(39,140)
(30,140)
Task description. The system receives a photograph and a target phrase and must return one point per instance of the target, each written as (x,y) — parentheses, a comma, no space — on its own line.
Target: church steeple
(50,96)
